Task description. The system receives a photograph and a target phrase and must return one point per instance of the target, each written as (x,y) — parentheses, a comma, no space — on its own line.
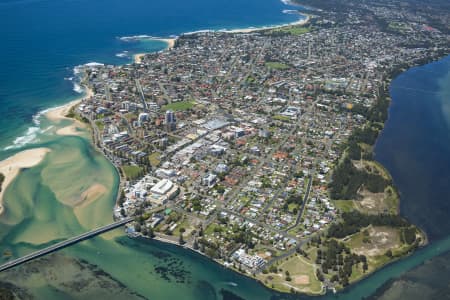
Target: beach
(11,166)
(137,58)
(301,22)
(170,44)
(60,112)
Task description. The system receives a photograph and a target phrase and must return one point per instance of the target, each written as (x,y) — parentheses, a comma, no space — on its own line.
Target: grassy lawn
(100,125)
(291,206)
(392,199)
(276,65)
(210,229)
(154,159)
(281,118)
(397,26)
(183,224)
(302,273)
(293,30)
(344,205)
(179,106)
(132,172)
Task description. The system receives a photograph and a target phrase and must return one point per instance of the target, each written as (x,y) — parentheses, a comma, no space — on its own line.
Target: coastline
(59,113)
(300,22)
(137,58)
(11,166)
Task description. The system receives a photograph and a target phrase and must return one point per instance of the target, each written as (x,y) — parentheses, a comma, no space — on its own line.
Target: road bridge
(63,244)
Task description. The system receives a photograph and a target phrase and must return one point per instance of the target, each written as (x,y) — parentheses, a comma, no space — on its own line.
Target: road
(305,199)
(63,244)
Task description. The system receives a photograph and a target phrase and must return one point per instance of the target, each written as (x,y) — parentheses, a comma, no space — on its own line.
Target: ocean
(44,40)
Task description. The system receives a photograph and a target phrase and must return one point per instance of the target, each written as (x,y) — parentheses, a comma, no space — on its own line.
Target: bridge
(63,244)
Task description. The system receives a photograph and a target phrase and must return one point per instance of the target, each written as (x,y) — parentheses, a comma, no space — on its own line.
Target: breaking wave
(31,133)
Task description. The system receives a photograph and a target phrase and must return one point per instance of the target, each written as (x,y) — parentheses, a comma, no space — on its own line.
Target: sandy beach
(170,44)
(248,30)
(60,112)
(11,166)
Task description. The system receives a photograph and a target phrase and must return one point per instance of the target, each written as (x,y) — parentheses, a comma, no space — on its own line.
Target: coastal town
(255,148)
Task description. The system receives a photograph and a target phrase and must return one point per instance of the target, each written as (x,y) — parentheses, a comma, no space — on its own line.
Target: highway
(63,244)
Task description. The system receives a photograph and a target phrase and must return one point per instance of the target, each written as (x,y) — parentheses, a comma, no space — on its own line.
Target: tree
(273,269)
(365,267)
(195,244)
(144,231)
(181,240)
(137,227)
(319,275)
(388,253)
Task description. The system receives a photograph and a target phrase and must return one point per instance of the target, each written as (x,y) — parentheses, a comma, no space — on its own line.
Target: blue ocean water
(43,40)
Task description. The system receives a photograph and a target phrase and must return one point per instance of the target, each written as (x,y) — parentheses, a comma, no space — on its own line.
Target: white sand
(248,30)
(72,129)
(170,44)
(138,57)
(11,166)
(59,113)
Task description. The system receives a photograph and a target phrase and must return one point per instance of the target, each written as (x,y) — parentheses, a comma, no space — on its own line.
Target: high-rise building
(170,120)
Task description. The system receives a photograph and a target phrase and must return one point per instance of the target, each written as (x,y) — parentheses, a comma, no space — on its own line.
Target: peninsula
(256,148)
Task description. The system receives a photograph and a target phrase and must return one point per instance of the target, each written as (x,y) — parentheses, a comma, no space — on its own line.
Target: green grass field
(132,172)
(292,30)
(276,65)
(154,159)
(179,106)
(302,273)
(281,118)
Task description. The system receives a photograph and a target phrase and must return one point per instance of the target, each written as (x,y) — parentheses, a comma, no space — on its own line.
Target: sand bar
(11,166)
(73,129)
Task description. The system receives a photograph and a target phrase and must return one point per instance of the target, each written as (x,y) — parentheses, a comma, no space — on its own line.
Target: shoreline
(11,166)
(137,58)
(301,22)
(59,113)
